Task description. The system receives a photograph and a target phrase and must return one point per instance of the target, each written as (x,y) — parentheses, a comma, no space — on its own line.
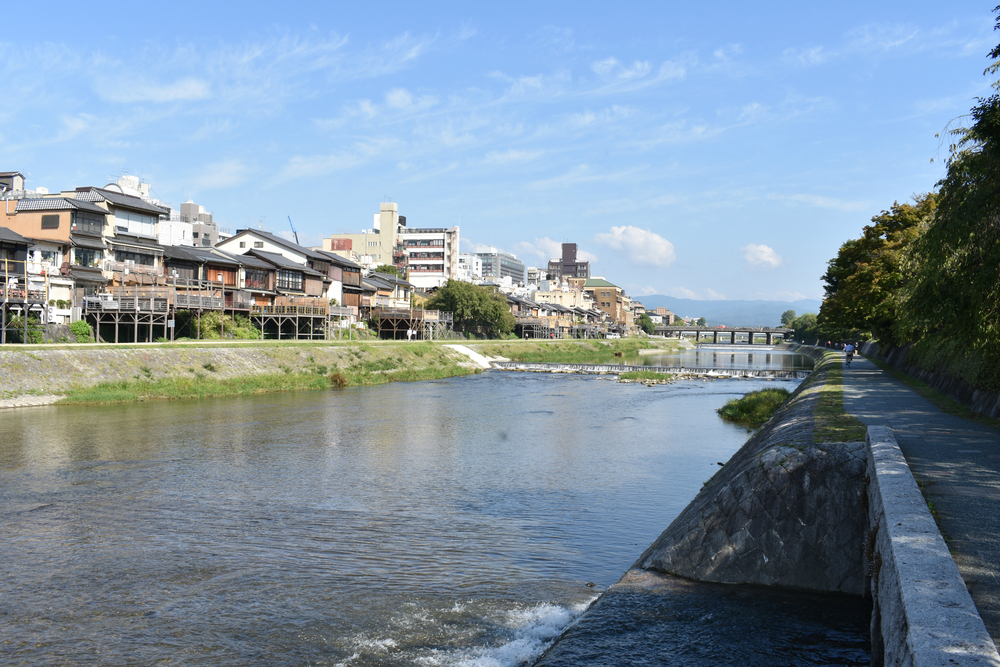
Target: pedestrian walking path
(960,462)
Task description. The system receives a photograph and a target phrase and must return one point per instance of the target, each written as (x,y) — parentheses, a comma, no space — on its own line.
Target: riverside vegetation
(927,274)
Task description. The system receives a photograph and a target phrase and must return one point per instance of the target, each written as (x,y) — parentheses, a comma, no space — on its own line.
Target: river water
(453,522)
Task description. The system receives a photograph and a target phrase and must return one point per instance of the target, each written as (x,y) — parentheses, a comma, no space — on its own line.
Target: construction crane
(295,233)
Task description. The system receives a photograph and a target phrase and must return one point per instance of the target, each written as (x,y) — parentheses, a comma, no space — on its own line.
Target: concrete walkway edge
(923,613)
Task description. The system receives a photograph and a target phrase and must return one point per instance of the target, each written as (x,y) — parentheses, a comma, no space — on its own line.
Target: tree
(787,318)
(476,309)
(701,322)
(645,323)
(388,268)
(864,280)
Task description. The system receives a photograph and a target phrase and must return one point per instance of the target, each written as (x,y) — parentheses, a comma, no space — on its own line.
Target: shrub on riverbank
(755,408)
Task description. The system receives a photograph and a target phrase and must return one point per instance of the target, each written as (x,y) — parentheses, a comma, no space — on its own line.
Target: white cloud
(761,257)
(610,67)
(807,57)
(643,246)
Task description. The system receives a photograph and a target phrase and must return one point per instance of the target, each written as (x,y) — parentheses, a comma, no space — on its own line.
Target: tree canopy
(646,323)
(389,269)
(477,309)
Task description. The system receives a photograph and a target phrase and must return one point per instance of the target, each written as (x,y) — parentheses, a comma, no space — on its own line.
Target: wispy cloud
(124,91)
(225,174)
(703,294)
(511,156)
(582,174)
(643,246)
(820,201)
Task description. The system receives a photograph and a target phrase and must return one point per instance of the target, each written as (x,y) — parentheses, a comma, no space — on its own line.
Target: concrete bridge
(729,332)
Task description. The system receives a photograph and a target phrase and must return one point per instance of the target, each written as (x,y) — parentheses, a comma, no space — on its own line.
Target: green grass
(204,386)
(755,408)
(570,352)
(645,375)
(941,401)
(832,423)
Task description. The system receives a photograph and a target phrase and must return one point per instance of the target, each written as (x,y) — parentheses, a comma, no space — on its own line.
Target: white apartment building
(428,255)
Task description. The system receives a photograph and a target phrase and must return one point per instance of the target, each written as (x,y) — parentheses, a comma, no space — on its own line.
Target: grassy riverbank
(95,374)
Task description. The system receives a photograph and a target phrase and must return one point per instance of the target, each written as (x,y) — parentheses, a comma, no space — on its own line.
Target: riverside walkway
(958,460)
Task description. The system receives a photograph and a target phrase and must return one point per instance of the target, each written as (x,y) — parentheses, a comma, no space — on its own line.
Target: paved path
(961,462)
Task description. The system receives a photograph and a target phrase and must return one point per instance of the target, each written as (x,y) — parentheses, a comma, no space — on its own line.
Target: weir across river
(673,370)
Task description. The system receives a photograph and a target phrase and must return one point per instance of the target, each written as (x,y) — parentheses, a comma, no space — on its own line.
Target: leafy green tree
(388,268)
(476,309)
(787,318)
(863,281)
(806,328)
(645,323)
(701,322)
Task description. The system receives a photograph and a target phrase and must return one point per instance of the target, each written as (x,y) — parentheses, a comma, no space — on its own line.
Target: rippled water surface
(433,523)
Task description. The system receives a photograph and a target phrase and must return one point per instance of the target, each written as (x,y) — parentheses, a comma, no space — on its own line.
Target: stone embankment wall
(783,511)
(56,371)
(832,517)
(984,402)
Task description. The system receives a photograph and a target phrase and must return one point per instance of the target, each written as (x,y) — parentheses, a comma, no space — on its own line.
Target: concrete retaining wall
(981,401)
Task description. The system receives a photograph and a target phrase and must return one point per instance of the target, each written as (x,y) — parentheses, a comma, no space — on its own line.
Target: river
(457,522)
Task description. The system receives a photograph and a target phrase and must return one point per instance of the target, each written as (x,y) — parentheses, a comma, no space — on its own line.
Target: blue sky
(688,149)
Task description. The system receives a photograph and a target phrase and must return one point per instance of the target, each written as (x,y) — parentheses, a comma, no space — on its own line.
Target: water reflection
(441,522)
(741,358)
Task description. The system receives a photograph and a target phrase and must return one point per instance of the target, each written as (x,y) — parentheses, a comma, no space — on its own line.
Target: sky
(689,149)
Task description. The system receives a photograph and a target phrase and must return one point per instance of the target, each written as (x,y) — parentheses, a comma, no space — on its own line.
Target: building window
(50,222)
(134,257)
(256,280)
(85,222)
(258,244)
(194,235)
(243,244)
(288,280)
(87,257)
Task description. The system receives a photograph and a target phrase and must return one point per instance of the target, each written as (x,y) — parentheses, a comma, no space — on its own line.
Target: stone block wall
(783,511)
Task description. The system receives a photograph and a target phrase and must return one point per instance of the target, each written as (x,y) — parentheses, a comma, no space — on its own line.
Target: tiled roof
(11,236)
(284,263)
(118,199)
(57,204)
(337,259)
(597,282)
(285,243)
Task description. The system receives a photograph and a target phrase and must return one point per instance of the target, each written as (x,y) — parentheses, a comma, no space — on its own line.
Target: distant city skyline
(690,151)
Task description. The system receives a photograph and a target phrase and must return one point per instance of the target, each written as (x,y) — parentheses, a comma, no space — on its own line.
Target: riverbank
(96,374)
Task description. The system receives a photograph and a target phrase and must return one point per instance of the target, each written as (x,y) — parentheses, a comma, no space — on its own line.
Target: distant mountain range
(731,313)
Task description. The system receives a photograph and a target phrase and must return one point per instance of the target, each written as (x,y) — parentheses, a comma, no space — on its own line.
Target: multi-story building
(470,267)
(568,266)
(498,264)
(204,231)
(428,256)
(610,298)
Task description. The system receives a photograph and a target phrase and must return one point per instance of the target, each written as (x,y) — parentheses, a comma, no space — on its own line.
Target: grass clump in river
(645,375)
(755,408)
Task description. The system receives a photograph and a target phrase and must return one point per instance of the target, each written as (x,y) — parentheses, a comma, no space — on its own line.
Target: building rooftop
(58,204)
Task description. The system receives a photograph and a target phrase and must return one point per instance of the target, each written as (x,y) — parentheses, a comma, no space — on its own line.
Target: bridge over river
(729,332)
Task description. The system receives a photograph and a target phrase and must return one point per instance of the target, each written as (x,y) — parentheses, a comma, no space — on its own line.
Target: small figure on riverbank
(849,352)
